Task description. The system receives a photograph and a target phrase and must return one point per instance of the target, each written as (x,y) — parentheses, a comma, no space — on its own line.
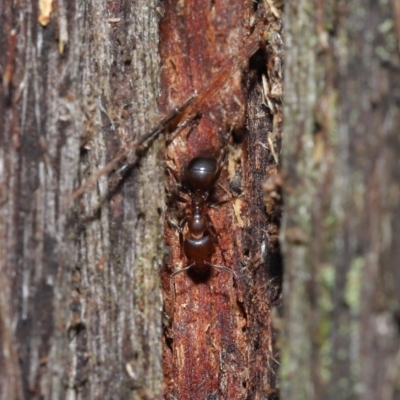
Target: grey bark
(80,302)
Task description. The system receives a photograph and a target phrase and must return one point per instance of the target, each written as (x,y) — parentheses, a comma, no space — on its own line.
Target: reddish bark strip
(197,39)
(209,352)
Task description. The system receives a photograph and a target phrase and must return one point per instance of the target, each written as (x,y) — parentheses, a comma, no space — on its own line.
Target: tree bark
(341,231)
(79,288)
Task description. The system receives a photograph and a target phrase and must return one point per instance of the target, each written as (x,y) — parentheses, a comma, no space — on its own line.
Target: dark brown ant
(198,244)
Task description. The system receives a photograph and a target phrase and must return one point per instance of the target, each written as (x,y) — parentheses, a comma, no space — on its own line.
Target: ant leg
(181,227)
(179,186)
(179,198)
(219,203)
(178,227)
(211,228)
(222,268)
(182,270)
(173,172)
(229,199)
(214,234)
(226,269)
(171,279)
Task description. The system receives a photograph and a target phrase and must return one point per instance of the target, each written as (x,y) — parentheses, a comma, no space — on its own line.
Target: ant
(198,244)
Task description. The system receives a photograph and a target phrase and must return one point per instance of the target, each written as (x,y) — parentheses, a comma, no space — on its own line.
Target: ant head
(201,174)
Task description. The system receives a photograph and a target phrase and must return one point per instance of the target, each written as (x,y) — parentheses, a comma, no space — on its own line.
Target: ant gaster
(199,243)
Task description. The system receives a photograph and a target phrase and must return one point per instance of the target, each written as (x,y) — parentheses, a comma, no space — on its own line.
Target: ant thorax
(197,224)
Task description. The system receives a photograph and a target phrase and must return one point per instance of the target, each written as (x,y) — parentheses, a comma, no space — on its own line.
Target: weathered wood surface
(342,194)
(218,340)
(80,297)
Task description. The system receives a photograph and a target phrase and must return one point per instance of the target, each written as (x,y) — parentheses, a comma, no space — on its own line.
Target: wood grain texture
(80,295)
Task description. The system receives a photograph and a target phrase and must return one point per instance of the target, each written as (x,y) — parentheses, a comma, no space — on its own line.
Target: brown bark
(341,225)
(79,285)
(219,338)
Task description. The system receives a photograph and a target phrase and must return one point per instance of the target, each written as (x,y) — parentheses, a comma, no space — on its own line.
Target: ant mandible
(198,244)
